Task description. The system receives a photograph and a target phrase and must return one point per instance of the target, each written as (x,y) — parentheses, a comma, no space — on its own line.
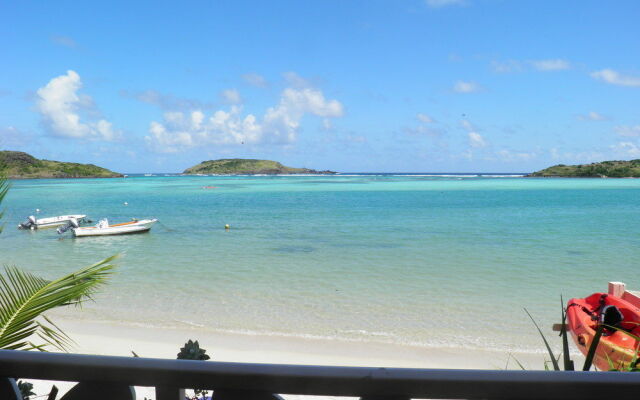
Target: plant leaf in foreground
(568,362)
(592,348)
(24,298)
(546,343)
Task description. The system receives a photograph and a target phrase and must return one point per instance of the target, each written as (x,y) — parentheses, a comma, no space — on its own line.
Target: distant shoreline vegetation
(242,166)
(604,169)
(20,165)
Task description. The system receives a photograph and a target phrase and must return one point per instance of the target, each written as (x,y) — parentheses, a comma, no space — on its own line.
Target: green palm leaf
(24,298)
(4,188)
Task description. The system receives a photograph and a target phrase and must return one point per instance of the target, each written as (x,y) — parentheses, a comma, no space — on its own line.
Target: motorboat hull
(52,222)
(57,221)
(126,228)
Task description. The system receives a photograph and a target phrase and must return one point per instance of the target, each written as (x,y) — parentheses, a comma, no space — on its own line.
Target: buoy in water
(227,227)
(125,203)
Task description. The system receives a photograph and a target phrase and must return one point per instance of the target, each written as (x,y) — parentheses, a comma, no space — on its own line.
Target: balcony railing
(103,377)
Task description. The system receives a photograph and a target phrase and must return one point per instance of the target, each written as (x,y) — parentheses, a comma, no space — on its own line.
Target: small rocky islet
(243,166)
(20,165)
(604,169)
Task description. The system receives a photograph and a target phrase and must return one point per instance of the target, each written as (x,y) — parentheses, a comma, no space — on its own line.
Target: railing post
(9,389)
(100,391)
(169,393)
(239,394)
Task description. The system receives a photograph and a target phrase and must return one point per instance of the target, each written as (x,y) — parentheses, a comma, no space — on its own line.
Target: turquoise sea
(444,261)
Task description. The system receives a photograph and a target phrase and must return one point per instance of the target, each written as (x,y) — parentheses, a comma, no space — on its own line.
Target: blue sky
(405,86)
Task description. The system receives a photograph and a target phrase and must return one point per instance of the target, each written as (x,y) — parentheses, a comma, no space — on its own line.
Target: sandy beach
(121,340)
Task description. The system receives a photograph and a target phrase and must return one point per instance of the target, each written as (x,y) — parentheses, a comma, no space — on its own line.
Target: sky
(346,85)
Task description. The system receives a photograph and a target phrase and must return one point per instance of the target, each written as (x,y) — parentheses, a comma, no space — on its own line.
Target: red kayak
(616,347)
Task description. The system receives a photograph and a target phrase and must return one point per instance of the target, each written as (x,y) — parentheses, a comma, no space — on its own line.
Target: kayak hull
(617,347)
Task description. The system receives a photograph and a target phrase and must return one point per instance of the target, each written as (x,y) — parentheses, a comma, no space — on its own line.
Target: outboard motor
(30,223)
(73,223)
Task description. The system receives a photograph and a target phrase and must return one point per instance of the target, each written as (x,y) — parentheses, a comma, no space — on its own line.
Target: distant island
(604,169)
(243,166)
(20,165)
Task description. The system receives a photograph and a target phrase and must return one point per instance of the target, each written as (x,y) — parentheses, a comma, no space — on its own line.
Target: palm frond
(25,297)
(4,188)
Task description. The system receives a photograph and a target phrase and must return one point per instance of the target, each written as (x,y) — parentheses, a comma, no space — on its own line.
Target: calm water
(433,261)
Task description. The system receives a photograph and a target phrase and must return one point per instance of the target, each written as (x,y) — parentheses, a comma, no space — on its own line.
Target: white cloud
(231,96)
(628,131)
(355,138)
(59,104)
(64,41)
(592,116)
(504,67)
(615,78)
(165,101)
(11,136)
(576,157)
(465,87)
(467,125)
(556,64)
(311,101)
(511,156)
(280,124)
(468,154)
(627,149)
(444,3)
(295,80)
(476,140)
(424,118)
(254,79)
(424,128)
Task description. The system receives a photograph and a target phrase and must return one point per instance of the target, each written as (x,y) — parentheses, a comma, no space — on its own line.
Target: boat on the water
(103,228)
(50,222)
(621,326)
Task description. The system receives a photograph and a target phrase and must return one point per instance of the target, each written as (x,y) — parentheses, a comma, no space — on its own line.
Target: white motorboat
(103,228)
(39,223)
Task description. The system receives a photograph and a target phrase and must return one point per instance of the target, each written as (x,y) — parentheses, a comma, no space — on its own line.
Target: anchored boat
(620,321)
(38,223)
(103,228)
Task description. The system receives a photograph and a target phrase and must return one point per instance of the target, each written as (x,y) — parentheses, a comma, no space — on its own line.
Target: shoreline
(120,339)
(114,339)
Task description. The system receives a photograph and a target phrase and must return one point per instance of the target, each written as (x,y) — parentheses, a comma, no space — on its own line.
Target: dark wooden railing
(102,377)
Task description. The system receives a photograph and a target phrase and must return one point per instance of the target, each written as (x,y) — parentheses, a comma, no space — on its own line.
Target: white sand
(109,339)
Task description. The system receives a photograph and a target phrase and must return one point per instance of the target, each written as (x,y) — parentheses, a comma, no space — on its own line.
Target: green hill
(19,165)
(604,169)
(241,166)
